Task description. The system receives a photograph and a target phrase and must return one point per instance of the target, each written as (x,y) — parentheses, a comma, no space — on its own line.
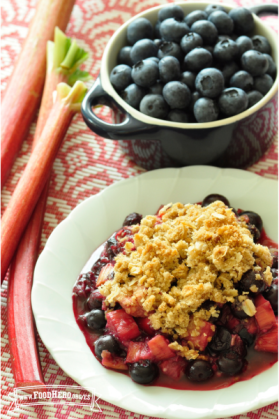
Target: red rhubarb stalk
(36,173)
(23,93)
(21,328)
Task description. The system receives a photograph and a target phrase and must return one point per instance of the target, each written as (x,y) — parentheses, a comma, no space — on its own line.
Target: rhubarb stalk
(31,184)
(23,93)
(21,328)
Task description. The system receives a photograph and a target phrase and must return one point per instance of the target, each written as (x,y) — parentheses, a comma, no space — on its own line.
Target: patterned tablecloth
(85,165)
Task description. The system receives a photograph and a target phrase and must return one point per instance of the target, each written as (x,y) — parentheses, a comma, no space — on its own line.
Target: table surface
(85,165)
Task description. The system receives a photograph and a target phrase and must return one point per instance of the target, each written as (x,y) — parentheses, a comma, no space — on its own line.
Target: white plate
(90,224)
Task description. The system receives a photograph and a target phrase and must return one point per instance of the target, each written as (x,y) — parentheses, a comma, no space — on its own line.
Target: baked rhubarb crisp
(183,293)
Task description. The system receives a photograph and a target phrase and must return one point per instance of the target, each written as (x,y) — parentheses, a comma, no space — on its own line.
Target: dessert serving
(186,298)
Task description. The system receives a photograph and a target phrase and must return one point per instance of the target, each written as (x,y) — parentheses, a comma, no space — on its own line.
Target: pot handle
(130,128)
(268,8)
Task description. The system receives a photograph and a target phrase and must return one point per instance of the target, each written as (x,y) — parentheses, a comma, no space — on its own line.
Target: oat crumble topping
(185,255)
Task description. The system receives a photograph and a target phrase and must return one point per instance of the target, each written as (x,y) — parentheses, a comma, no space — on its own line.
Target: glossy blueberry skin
(263,83)
(155,106)
(247,338)
(139,29)
(95,300)
(243,20)
(190,41)
(171,10)
(205,110)
(173,29)
(120,77)
(229,70)
(132,219)
(221,340)
(225,51)
(143,372)
(260,43)
(156,88)
(222,21)
(197,59)
(211,8)
(169,69)
(177,95)
(230,363)
(233,101)
(271,66)
(124,56)
(133,95)
(244,44)
(145,73)
(194,17)
(144,48)
(253,97)
(255,232)
(254,62)
(199,370)
(213,198)
(210,82)
(179,115)
(195,96)
(188,78)
(95,319)
(207,30)
(157,30)
(248,280)
(172,49)
(238,311)
(243,80)
(271,294)
(254,218)
(106,343)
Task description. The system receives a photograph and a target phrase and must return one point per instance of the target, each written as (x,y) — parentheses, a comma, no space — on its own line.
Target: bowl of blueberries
(189,83)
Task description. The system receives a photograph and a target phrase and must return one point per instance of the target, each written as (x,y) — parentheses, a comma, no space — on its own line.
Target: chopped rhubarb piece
(268,342)
(105,274)
(122,325)
(200,342)
(173,367)
(159,347)
(138,351)
(144,324)
(233,324)
(112,361)
(265,316)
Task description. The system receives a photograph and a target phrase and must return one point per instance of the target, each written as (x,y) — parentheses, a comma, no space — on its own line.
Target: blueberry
(209,48)
(95,300)
(106,343)
(124,56)
(206,30)
(249,280)
(253,218)
(142,49)
(95,319)
(143,372)
(205,110)
(132,219)
(145,73)
(213,198)
(154,105)
(254,62)
(156,88)
(154,59)
(275,260)
(188,78)
(171,10)
(225,50)
(263,83)
(120,77)
(197,59)
(271,294)
(173,29)
(247,337)
(112,247)
(190,41)
(255,232)
(158,42)
(194,17)
(221,340)
(253,98)
(223,38)
(233,101)
(211,8)
(244,44)
(177,94)
(195,96)
(260,43)
(139,29)
(229,70)
(210,82)
(230,363)
(179,115)
(169,69)
(243,20)
(157,30)
(133,94)
(170,49)
(222,21)
(199,370)
(238,311)
(243,80)
(271,66)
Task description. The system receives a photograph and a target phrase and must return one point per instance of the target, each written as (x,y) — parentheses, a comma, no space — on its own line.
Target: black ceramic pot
(238,141)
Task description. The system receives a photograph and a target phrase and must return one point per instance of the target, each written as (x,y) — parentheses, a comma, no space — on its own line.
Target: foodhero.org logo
(55,394)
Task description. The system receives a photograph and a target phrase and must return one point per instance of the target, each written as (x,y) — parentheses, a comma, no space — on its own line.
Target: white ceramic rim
(69,247)
(111,50)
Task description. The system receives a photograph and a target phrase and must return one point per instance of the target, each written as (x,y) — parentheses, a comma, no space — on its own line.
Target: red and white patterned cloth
(85,165)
